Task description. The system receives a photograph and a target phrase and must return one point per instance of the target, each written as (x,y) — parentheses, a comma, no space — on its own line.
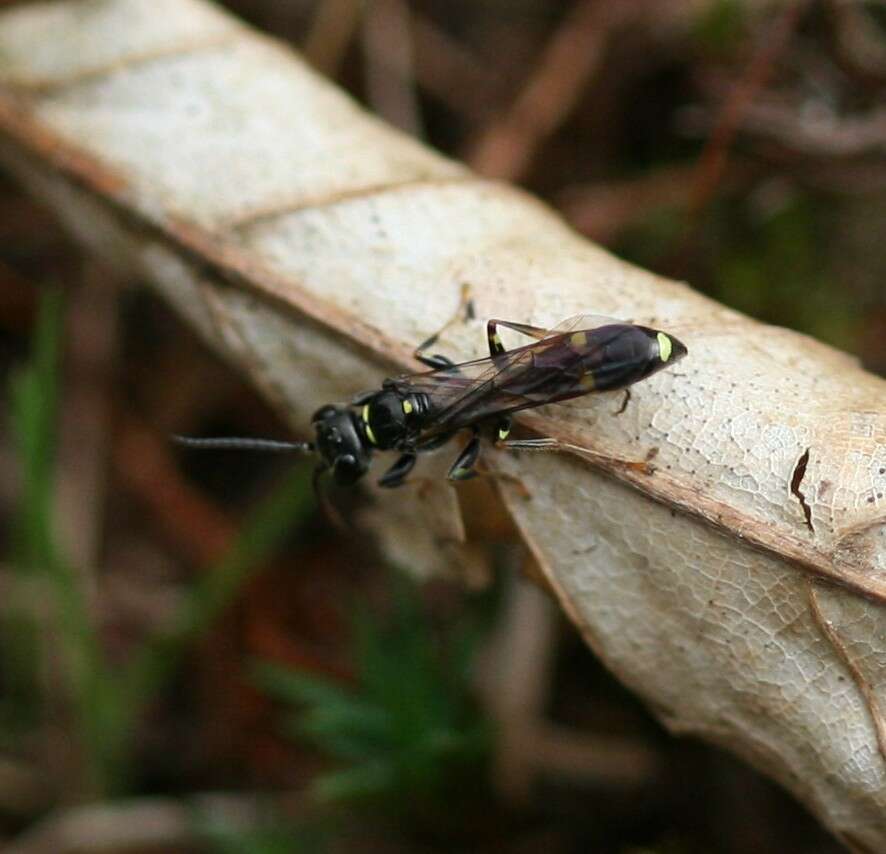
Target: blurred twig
(507,146)
(331,33)
(516,683)
(196,528)
(390,79)
(712,163)
(859,43)
(822,135)
(517,680)
(602,211)
(80,481)
(160,824)
(615,762)
(449,71)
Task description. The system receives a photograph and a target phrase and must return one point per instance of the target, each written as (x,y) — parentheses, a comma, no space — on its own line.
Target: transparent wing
(582,322)
(463,387)
(550,370)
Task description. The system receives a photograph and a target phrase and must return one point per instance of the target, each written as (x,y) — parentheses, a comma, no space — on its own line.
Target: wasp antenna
(243,444)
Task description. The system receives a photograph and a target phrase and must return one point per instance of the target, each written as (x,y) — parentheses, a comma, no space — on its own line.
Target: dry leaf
(738,589)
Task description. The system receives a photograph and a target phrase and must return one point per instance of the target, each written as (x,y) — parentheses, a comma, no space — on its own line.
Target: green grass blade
(34,392)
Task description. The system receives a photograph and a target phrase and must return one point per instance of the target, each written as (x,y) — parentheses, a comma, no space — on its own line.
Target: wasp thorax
(384,418)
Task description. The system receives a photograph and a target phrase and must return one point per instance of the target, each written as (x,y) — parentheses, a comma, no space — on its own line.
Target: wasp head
(340,443)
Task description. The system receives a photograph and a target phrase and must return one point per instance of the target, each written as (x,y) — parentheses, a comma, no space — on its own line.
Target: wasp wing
(451,389)
(584,323)
(554,369)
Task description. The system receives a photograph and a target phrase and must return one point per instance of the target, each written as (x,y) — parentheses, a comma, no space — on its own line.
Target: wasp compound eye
(324,413)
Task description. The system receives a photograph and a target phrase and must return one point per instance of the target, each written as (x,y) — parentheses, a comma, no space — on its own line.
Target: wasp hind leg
(463,314)
(551,444)
(463,467)
(502,429)
(496,348)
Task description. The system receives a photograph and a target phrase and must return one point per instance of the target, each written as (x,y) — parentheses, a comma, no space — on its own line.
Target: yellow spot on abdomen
(578,340)
(664,346)
(407,407)
(587,381)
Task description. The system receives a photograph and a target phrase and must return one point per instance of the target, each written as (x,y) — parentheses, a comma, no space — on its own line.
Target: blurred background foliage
(187,648)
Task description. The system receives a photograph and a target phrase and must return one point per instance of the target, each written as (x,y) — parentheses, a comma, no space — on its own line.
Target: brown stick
(506,148)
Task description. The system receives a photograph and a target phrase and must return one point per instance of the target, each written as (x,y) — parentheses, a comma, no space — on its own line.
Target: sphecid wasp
(416,413)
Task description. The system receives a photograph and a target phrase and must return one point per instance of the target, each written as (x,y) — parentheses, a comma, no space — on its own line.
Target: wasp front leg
(398,472)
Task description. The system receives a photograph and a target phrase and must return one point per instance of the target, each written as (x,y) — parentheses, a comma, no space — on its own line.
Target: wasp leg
(503,429)
(437,362)
(533,445)
(463,467)
(363,397)
(550,444)
(434,442)
(463,314)
(397,473)
(625,402)
(496,348)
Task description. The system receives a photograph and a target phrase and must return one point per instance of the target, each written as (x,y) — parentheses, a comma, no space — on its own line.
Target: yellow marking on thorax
(407,407)
(503,433)
(664,346)
(578,340)
(587,380)
(369,434)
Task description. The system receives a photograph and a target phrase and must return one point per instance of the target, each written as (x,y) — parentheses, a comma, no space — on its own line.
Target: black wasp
(419,412)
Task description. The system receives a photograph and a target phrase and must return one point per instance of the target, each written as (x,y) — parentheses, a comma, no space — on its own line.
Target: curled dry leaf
(739,588)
